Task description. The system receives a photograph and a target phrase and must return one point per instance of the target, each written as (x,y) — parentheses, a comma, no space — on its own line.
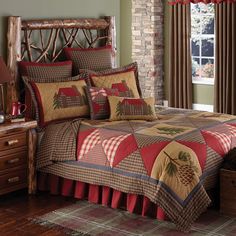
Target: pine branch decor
(185,172)
(170,131)
(118,109)
(56,103)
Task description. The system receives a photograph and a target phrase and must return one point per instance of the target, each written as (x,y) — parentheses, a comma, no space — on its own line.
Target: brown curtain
(172,2)
(179,57)
(225,78)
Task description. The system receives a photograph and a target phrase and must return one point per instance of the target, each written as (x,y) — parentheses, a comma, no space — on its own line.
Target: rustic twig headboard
(44,41)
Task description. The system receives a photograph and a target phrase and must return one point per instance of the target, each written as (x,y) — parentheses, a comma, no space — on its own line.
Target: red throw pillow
(98,102)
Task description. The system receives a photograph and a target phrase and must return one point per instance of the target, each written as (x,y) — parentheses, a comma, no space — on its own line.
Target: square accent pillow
(98,102)
(124,79)
(90,58)
(58,100)
(44,72)
(132,108)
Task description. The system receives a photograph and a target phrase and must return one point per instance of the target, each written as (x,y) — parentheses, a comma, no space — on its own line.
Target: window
(203,43)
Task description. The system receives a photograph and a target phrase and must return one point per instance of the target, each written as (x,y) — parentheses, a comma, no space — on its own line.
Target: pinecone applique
(186,174)
(185,171)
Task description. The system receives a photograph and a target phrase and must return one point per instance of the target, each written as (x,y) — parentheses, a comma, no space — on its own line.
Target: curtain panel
(173,2)
(179,54)
(225,64)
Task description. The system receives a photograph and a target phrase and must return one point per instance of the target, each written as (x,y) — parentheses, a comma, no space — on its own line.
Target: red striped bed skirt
(99,195)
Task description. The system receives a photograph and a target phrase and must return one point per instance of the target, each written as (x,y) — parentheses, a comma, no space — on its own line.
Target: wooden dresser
(228,192)
(17,149)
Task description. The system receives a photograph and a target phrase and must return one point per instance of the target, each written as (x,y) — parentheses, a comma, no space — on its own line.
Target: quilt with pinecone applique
(171,160)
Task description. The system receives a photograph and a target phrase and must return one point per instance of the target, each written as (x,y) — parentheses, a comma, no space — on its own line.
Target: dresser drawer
(15,159)
(13,141)
(16,177)
(228,183)
(228,192)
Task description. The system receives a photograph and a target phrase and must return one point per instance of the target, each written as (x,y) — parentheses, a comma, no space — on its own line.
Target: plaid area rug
(84,218)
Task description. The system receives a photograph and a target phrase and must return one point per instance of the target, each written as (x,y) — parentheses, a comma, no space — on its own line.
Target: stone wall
(148,45)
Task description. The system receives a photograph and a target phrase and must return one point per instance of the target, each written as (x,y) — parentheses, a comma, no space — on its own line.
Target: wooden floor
(16,210)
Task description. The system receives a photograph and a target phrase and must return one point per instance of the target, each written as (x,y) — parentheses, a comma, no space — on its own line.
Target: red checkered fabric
(111,145)
(89,143)
(232,130)
(224,140)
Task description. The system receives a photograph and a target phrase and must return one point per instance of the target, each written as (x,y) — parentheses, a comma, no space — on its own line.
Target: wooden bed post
(112,36)
(32,176)
(13,56)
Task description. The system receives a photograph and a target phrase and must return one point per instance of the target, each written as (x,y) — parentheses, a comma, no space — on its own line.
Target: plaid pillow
(132,108)
(44,72)
(33,97)
(118,78)
(98,102)
(90,58)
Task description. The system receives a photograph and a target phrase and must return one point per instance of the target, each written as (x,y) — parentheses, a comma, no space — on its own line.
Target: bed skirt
(100,195)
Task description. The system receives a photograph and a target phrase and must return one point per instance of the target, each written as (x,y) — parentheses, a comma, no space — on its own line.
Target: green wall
(56,9)
(202,94)
(125,34)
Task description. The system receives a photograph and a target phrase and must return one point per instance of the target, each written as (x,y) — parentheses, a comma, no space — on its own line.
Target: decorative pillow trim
(24,65)
(132,108)
(98,102)
(38,100)
(28,63)
(62,63)
(98,74)
(87,49)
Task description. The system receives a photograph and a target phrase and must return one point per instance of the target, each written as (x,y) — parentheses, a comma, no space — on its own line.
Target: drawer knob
(14,179)
(12,161)
(12,142)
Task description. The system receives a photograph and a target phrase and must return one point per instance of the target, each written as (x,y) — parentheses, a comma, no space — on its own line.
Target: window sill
(203,107)
(203,82)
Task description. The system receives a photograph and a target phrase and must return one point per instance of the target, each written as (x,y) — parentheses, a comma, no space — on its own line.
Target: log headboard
(44,41)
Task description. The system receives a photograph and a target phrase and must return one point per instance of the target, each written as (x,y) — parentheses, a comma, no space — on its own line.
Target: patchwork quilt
(171,160)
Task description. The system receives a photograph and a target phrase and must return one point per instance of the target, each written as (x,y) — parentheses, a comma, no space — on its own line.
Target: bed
(150,167)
